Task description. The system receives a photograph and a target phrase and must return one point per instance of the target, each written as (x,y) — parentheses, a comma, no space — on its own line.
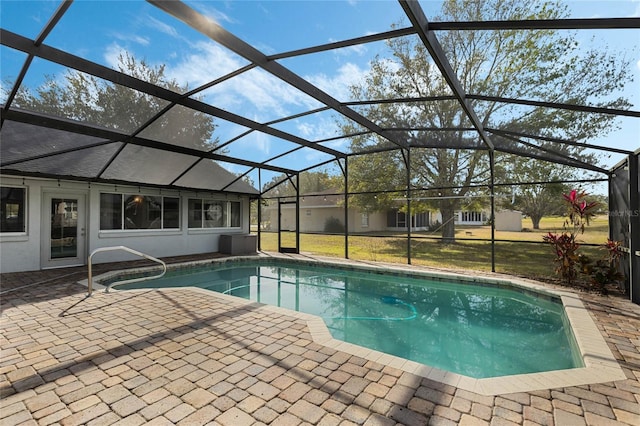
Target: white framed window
(138,211)
(365,220)
(13,209)
(204,213)
(472,216)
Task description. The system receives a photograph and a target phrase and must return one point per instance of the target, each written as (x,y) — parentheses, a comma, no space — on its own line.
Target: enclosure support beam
(634,225)
(217,33)
(417,17)
(259,211)
(346,207)
(492,164)
(409,213)
(64,6)
(298,213)
(279,225)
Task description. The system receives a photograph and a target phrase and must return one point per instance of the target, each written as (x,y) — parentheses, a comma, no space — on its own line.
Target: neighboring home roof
(326,198)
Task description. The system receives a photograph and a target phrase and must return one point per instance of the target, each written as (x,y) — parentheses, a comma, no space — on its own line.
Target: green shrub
(333,225)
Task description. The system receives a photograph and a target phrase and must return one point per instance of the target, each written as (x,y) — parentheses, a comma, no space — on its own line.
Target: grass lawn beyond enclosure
(522,254)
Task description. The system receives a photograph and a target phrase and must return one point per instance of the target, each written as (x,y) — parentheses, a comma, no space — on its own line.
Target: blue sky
(101,30)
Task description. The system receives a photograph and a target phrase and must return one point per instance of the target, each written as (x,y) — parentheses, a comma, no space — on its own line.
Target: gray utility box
(238,244)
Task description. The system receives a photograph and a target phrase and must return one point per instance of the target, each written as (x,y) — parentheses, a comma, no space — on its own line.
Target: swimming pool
(476,330)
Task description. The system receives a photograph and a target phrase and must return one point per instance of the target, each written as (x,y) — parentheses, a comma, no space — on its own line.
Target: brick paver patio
(189,358)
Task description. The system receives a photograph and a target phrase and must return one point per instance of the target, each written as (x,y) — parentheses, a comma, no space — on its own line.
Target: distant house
(468,217)
(506,220)
(318,209)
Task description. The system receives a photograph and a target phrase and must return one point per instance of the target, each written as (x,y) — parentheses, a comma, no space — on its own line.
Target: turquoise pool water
(475,330)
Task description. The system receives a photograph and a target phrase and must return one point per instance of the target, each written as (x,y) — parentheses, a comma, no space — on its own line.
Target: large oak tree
(541,65)
(83,97)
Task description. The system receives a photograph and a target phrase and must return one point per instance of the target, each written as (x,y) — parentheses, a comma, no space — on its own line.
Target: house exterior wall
(470,218)
(509,220)
(506,220)
(313,219)
(377,221)
(22,251)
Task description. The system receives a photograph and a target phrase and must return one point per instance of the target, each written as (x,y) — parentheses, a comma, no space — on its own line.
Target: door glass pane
(64,228)
(110,211)
(195,213)
(235,214)
(171,219)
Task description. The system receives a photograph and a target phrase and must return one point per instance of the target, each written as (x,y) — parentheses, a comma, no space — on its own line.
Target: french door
(63,230)
(288,236)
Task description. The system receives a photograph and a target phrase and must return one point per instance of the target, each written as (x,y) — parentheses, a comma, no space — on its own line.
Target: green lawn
(518,256)
(595,233)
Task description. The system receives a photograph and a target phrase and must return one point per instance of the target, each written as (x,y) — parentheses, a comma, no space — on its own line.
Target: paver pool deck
(187,357)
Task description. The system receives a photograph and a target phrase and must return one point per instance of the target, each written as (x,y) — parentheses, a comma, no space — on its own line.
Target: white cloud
(141,40)
(162,27)
(320,128)
(221,17)
(204,63)
(358,49)
(252,91)
(258,90)
(338,85)
(137,39)
(306,130)
(255,94)
(112,53)
(261,142)
(213,13)
(339,144)
(252,144)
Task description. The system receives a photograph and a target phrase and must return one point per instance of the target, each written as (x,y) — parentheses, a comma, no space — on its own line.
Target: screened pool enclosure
(392,127)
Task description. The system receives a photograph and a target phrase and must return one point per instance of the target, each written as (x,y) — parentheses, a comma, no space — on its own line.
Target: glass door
(64,230)
(288,236)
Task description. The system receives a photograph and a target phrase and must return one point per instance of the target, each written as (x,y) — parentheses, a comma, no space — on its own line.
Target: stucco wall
(314,219)
(23,252)
(509,220)
(377,222)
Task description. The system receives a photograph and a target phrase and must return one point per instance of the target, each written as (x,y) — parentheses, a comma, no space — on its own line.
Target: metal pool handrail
(129,250)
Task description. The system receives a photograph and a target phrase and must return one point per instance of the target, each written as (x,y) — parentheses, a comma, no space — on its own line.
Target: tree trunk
(535,221)
(448,225)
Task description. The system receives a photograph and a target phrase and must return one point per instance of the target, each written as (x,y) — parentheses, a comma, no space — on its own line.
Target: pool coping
(600,366)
